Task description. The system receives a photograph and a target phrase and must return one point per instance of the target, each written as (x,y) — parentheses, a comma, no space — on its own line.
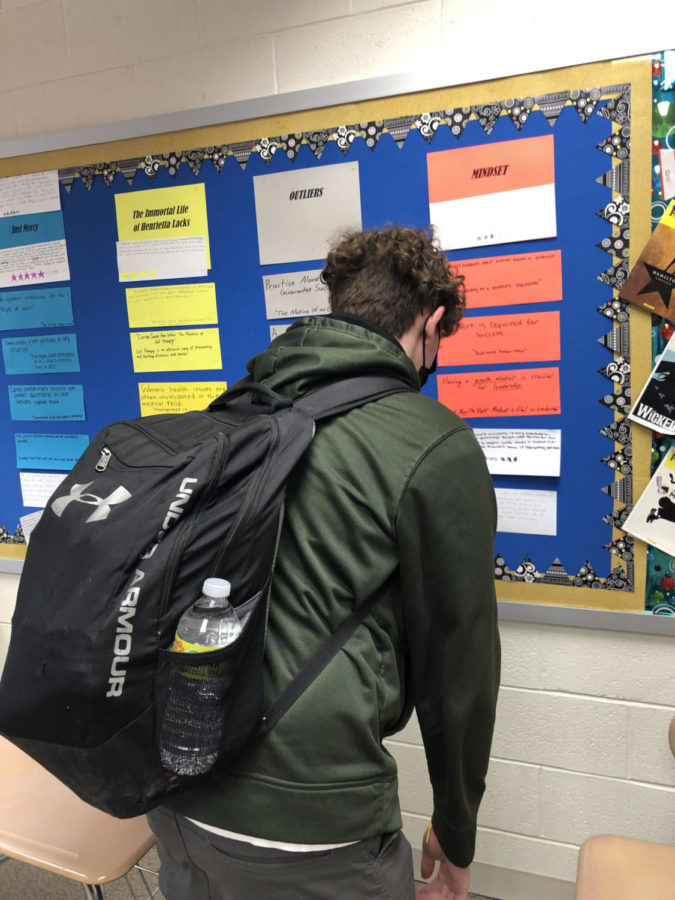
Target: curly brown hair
(390,275)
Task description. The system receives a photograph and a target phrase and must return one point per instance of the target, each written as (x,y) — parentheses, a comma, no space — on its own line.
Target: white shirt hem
(262,842)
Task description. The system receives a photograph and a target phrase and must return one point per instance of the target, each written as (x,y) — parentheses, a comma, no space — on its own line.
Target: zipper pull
(103,460)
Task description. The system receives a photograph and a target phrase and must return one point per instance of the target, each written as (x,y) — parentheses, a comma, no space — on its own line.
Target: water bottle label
(180,645)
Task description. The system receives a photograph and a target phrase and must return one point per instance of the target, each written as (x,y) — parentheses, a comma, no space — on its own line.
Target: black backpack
(152,508)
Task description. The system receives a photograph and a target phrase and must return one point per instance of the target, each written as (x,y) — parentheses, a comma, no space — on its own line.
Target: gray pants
(199,865)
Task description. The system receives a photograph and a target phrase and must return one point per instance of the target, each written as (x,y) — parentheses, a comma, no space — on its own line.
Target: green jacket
(394,499)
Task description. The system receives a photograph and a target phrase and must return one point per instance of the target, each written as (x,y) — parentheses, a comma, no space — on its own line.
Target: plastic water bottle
(209,623)
(193,720)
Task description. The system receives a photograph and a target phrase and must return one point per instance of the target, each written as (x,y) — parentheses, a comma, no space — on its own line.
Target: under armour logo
(102,504)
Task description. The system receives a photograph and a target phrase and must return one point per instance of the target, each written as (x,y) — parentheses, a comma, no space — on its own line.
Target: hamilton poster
(651,283)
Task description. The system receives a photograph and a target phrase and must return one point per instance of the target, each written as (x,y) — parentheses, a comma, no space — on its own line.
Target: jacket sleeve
(445,525)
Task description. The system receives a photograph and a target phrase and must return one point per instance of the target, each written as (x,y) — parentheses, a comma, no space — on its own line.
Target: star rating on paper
(27,276)
(143,275)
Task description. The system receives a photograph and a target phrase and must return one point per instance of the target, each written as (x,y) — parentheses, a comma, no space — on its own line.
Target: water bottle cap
(216,587)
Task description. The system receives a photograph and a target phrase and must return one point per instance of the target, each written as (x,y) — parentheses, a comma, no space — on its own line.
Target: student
(392,499)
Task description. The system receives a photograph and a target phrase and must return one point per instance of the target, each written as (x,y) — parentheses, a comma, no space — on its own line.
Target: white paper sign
(276,330)
(667,164)
(294,294)
(169,258)
(23,195)
(526,512)
(34,264)
(300,212)
(29,522)
(502,218)
(521,451)
(37,487)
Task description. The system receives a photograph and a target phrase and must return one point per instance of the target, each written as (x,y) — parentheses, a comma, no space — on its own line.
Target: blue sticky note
(43,354)
(45,308)
(37,228)
(49,451)
(46,402)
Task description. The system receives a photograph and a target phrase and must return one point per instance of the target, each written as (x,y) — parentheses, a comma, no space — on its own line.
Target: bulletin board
(562,345)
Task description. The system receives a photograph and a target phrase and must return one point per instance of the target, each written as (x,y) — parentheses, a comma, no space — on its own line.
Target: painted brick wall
(68,64)
(580,748)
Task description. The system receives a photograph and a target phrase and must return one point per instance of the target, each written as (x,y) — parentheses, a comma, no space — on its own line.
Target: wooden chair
(618,868)
(44,823)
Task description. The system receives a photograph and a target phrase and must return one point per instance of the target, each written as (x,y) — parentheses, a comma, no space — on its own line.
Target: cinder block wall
(580,748)
(581,740)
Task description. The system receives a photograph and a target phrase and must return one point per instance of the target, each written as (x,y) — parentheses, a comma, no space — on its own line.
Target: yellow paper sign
(173,304)
(668,218)
(176,351)
(177,397)
(173,212)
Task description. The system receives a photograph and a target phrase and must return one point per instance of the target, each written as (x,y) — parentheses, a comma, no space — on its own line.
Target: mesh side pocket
(207,704)
(194,709)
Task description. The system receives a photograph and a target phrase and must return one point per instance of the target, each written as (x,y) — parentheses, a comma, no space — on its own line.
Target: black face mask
(425,371)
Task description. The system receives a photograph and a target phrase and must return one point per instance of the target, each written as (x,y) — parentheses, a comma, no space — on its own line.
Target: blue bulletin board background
(590,124)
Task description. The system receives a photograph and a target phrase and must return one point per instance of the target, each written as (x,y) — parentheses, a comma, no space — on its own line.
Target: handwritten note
(172,304)
(526,512)
(294,294)
(24,194)
(517,392)
(34,264)
(49,451)
(177,397)
(37,487)
(526,337)
(46,402)
(504,280)
(169,258)
(29,522)
(161,213)
(176,351)
(49,308)
(521,451)
(44,354)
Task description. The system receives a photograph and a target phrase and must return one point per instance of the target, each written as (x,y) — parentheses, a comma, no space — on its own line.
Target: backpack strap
(331,400)
(349,393)
(314,667)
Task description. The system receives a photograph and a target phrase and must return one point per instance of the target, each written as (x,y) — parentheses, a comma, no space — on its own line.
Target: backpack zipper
(103,460)
(172,448)
(188,523)
(106,452)
(250,498)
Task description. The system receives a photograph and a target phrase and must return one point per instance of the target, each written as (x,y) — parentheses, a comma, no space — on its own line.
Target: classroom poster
(298,213)
(493,194)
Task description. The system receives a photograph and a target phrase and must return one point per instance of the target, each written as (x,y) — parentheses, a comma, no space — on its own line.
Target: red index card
(518,338)
(516,392)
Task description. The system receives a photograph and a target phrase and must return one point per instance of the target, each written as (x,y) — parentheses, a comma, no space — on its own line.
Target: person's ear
(432,322)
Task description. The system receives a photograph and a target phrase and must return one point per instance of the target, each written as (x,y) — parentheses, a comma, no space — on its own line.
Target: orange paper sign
(523,337)
(518,392)
(490,168)
(503,280)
